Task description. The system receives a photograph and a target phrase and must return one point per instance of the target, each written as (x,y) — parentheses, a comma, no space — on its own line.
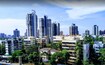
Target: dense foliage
(102,56)
(59,57)
(93,57)
(79,53)
(57,46)
(2,49)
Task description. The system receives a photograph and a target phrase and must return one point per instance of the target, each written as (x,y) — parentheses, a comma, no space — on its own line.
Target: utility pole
(20,60)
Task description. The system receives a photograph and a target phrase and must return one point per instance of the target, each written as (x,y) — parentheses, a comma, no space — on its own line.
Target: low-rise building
(45,52)
(32,40)
(86,51)
(97,46)
(69,43)
(57,39)
(12,44)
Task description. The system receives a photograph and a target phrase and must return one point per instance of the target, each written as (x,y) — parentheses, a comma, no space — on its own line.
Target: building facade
(58,29)
(12,45)
(86,52)
(87,32)
(69,43)
(54,29)
(95,30)
(41,27)
(97,46)
(16,33)
(45,26)
(32,24)
(102,32)
(73,30)
(2,35)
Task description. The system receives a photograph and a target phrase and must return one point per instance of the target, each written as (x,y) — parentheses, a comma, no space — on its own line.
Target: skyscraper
(102,32)
(45,28)
(41,28)
(32,24)
(73,30)
(95,30)
(45,25)
(16,33)
(49,27)
(87,32)
(54,29)
(25,34)
(58,29)
(3,35)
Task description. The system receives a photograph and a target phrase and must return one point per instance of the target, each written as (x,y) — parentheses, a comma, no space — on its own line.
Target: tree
(15,56)
(88,39)
(87,63)
(59,57)
(65,56)
(24,55)
(99,38)
(93,57)
(24,58)
(34,57)
(102,56)
(32,48)
(53,58)
(79,53)
(2,49)
(57,46)
(48,45)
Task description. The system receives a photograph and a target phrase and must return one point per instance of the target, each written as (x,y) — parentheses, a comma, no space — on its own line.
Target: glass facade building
(95,30)
(73,30)
(16,33)
(32,24)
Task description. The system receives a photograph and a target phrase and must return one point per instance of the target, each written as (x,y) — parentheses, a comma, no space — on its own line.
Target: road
(8,63)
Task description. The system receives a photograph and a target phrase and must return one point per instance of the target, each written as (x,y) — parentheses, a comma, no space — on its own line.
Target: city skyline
(85,14)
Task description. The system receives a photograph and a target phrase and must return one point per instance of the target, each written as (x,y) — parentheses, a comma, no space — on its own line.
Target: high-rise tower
(32,24)
(87,32)
(73,30)
(16,33)
(95,30)
(58,29)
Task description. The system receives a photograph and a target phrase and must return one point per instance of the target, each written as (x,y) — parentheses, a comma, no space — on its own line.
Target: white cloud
(8,25)
(79,13)
(78,9)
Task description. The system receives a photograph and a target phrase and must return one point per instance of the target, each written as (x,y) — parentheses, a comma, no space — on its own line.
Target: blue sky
(83,13)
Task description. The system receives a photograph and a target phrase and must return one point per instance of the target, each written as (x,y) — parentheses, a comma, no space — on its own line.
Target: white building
(44,53)
(69,43)
(85,52)
(12,44)
(97,46)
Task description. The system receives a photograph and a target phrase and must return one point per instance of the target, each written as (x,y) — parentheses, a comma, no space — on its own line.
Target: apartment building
(69,43)
(12,44)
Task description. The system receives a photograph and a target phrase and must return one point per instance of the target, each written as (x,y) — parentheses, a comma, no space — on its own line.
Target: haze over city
(83,13)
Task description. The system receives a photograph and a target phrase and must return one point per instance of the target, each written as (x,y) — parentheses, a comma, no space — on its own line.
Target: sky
(83,13)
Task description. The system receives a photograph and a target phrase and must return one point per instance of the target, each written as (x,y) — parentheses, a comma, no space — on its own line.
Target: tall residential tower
(32,24)
(16,33)
(73,30)
(95,30)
